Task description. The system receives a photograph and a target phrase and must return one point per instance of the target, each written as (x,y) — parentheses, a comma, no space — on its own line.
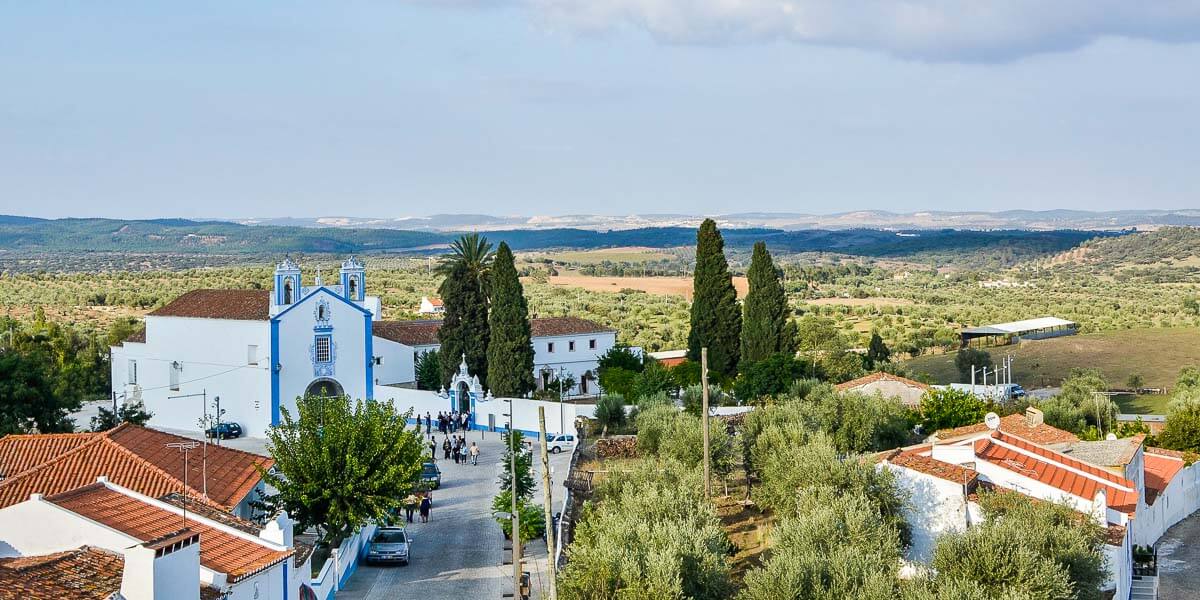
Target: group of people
(455,448)
(420,501)
(447,422)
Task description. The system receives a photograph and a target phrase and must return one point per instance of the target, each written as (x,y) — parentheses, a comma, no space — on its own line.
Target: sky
(224,109)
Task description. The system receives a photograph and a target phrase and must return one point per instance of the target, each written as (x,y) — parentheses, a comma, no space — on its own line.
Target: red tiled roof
(879,376)
(435,301)
(936,468)
(19,453)
(1057,470)
(133,457)
(1158,471)
(423,332)
(138,336)
(220,550)
(85,573)
(241,305)
(1015,424)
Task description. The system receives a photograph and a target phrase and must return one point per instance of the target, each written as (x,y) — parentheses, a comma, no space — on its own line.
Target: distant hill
(1045,220)
(1174,250)
(181,236)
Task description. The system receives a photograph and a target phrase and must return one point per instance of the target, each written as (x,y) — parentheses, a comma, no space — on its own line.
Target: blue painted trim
(370,356)
(285,581)
(327,291)
(349,571)
(275,368)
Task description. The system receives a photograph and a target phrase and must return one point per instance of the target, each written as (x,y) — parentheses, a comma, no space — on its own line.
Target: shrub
(610,411)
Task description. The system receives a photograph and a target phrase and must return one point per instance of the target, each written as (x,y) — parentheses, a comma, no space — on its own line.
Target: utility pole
(185,448)
(547,498)
(704,417)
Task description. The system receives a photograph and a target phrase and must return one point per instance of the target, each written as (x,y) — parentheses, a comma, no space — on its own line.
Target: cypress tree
(716,319)
(510,350)
(464,327)
(765,328)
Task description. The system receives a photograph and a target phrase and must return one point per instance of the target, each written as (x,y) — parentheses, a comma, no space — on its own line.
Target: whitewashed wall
(213,354)
(573,363)
(396,362)
(1176,503)
(296,336)
(936,507)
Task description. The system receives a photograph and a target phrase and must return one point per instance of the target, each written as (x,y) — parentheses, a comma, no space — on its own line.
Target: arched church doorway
(324,387)
(464,397)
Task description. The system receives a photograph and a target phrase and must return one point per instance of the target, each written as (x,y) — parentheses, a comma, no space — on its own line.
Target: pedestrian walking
(466,422)
(446,447)
(428,423)
(410,505)
(432,449)
(426,505)
(454,450)
(474,454)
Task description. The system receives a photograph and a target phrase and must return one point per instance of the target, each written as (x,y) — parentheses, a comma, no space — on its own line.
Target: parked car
(390,544)
(224,431)
(431,475)
(559,443)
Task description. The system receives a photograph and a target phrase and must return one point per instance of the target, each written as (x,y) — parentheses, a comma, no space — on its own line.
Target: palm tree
(474,253)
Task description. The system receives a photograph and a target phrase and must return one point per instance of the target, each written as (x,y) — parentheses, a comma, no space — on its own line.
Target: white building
(1136,492)
(168,553)
(258,350)
(431,306)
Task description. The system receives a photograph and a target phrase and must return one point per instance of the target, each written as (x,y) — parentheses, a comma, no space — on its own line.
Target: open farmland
(1156,354)
(631,254)
(664,286)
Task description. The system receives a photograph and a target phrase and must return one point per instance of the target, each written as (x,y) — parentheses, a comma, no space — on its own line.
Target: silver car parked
(390,544)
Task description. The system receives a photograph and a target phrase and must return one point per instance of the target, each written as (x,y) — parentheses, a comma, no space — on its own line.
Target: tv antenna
(185,448)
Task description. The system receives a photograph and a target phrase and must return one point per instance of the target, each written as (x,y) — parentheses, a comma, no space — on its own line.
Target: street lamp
(560,400)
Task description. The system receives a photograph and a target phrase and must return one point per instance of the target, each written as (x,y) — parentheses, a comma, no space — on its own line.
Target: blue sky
(393,108)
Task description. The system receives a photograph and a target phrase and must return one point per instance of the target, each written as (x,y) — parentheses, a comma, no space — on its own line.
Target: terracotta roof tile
(137,458)
(1057,470)
(936,468)
(1158,472)
(85,573)
(423,332)
(220,550)
(20,453)
(241,305)
(1015,424)
(879,376)
(138,336)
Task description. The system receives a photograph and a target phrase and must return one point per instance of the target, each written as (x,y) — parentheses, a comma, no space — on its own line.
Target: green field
(1156,354)
(616,255)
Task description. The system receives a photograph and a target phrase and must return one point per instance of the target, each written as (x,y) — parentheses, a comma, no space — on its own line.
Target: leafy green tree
(877,351)
(340,463)
(429,371)
(127,412)
(533,517)
(1025,549)
(464,329)
(687,373)
(857,422)
(610,412)
(823,345)
(1181,431)
(1082,407)
(767,377)
(716,319)
(515,442)
(510,351)
(653,379)
(948,408)
(27,399)
(765,329)
(1135,381)
(619,356)
(648,534)
(967,358)
(615,380)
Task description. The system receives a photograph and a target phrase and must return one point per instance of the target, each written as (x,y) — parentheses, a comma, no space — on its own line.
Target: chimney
(167,567)
(1034,417)
(278,530)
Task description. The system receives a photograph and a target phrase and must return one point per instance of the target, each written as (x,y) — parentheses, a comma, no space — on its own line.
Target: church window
(321,316)
(252,354)
(287,291)
(324,354)
(176,369)
(353,288)
(132,371)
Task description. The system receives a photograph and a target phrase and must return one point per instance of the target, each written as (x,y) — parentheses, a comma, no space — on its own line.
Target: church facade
(253,352)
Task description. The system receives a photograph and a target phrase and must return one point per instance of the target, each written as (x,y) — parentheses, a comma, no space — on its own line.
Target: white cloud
(938,30)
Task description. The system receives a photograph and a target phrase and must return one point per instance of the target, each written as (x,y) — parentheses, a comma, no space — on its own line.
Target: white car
(558,443)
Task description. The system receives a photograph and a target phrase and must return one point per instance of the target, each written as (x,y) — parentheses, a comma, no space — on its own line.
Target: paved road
(1179,561)
(458,554)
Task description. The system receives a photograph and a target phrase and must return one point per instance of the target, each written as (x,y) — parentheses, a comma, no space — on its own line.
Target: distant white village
(120,513)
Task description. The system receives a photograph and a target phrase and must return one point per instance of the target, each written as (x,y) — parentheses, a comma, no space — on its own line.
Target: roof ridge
(48,462)
(1065,460)
(42,436)
(71,493)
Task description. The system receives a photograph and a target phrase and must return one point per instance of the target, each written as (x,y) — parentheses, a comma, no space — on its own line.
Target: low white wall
(1176,503)
(419,401)
(525,415)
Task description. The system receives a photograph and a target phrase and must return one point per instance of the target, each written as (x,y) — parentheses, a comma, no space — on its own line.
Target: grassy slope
(1157,354)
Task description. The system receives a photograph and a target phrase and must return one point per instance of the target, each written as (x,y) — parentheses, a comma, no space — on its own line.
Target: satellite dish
(992,420)
(1110,437)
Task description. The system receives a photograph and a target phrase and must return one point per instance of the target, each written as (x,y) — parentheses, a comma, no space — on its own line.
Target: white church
(259,350)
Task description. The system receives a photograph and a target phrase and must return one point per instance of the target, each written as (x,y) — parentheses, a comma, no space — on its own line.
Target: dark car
(390,544)
(431,475)
(224,431)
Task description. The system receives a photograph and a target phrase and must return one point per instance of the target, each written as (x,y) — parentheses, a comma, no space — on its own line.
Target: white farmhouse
(258,350)
(431,306)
